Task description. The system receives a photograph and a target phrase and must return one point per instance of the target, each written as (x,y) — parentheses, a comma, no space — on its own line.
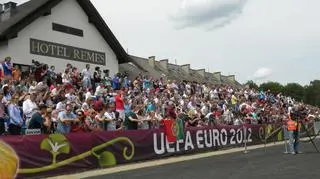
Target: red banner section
(56,154)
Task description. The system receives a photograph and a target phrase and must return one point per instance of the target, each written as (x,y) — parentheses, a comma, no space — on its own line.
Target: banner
(56,154)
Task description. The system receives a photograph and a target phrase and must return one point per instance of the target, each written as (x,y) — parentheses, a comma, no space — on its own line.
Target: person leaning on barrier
(38,121)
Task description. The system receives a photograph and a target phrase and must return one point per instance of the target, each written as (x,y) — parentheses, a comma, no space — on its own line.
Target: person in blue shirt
(151,107)
(65,119)
(127,105)
(15,115)
(7,67)
(126,82)
(116,82)
(146,83)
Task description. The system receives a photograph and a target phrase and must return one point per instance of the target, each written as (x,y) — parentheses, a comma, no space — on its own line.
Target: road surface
(255,165)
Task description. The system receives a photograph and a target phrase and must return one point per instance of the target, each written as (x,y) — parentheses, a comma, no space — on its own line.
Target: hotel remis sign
(50,49)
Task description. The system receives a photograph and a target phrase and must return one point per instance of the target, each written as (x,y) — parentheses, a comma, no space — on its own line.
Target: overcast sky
(254,39)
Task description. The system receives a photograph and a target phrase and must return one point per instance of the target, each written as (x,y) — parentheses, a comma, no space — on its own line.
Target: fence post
(285,134)
(245,139)
(265,139)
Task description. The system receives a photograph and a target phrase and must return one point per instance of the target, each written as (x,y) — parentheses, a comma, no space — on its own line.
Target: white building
(58,32)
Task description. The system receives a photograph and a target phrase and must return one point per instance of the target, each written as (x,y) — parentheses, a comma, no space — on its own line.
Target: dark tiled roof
(21,12)
(211,78)
(131,69)
(144,64)
(26,13)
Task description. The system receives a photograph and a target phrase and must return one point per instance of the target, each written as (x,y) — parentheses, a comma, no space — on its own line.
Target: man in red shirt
(120,104)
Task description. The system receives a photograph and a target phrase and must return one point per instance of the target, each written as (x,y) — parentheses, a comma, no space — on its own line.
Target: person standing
(38,121)
(29,105)
(86,77)
(7,67)
(97,77)
(293,133)
(2,115)
(132,119)
(120,104)
(65,119)
(16,120)
(110,118)
(16,74)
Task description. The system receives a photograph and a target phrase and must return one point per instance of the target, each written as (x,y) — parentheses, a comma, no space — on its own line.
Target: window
(67,29)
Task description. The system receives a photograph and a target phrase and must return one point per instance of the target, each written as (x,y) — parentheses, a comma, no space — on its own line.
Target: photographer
(97,76)
(297,115)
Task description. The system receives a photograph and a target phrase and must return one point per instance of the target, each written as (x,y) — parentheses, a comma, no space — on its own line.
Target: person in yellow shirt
(234,102)
(16,74)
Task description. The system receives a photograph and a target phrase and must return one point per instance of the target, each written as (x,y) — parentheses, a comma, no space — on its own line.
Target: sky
(259,40)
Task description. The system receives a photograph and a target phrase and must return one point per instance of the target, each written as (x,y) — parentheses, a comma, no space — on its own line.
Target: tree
(252,85)
(312,93)
(274,87)
(295,91)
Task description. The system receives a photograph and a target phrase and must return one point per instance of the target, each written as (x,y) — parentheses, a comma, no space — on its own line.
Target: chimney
(186,68)
(232,78)
(164,63)
(201,72)
(1,8)
(152,61)
(217,75)
(8,10)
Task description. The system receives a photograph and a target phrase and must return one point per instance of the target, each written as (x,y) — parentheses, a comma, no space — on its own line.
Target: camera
(299,115)
(106,71)
(122,75)
(36,65)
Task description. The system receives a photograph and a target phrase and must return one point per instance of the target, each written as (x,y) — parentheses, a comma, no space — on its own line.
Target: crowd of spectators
(85,100)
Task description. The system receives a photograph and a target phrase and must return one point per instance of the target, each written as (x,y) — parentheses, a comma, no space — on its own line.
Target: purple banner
(55,154)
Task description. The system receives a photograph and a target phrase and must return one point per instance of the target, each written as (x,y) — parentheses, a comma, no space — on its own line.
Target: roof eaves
(93,15)
(95,18)
(13,29)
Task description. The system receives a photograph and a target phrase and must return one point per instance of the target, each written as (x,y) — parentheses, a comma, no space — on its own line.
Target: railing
(56,154)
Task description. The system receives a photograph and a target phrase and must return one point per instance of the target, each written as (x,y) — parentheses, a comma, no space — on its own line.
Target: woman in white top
(66,78)
(110,118)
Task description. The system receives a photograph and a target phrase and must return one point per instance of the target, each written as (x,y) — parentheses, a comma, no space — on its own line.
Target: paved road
(255,165)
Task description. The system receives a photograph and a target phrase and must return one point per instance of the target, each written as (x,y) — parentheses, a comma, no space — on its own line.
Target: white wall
(67,13)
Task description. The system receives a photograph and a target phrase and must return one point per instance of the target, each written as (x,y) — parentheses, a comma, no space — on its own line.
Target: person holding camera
(97,77)
(293,131)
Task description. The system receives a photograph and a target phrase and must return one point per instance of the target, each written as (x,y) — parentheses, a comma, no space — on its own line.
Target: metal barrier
(316,127)
(245,139)
(270,135)
(285,138)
